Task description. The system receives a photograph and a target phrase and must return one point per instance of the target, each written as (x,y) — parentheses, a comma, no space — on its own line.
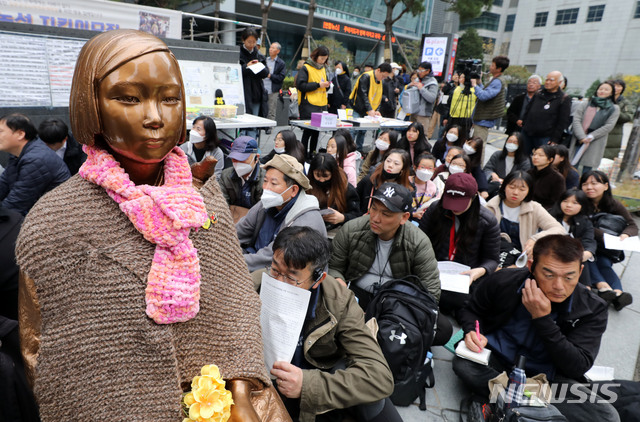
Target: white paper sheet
(256,68)
(629,244)
(450,277)
(600,373)
(282,315)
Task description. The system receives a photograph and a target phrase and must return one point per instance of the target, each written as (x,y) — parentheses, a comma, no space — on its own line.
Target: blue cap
(243,147)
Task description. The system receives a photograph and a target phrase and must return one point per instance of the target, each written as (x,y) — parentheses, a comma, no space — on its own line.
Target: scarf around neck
(164,215)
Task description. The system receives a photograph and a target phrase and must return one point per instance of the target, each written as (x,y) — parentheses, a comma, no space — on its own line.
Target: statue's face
(141,108)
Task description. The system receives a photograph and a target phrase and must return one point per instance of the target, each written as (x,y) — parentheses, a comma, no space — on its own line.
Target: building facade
(584,39)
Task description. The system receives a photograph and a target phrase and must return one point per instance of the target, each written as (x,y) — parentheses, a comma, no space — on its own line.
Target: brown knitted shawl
(100,356)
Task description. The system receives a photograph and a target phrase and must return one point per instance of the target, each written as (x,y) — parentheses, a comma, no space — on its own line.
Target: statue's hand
(242,409)
(204,169)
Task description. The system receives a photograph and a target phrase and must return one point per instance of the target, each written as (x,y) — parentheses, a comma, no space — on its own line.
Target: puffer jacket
(231,186)
(484,249)
(349,167)
(354,250)
(36,171)
(305,212)
(337,333)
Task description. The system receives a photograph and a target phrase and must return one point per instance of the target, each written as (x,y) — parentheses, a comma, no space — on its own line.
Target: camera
(471,69)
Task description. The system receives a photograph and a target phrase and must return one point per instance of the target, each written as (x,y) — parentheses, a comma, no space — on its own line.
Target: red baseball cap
(458,190)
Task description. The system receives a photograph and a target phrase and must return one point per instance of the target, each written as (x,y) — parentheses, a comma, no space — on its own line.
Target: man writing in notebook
(542,313)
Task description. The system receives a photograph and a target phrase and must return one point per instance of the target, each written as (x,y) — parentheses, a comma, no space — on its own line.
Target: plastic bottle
(515,387)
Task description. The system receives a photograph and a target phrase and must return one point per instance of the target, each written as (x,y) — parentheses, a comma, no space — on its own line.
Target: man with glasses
(428,87)
(338,368)
(547,115)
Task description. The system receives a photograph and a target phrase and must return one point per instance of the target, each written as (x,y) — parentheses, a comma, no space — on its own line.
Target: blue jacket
(36,171)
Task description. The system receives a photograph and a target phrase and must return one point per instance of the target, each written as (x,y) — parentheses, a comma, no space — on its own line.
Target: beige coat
(533,217)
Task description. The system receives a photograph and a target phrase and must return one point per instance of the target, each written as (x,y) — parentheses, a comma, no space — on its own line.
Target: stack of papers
(451,279)
(629,244)
(599,373)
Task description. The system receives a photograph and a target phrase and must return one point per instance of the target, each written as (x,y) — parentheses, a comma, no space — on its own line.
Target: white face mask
(339,71)
(424,174)
(469,149)
(279,150)
(356,73)
(382,145)
(511,147)
(242,169)
(452,137)
(453,169)
(195,137)
(271,199)
(396,72)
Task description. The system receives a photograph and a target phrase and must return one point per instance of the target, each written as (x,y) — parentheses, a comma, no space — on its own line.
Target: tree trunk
(265,20)
(306,49)
(388,30)
(216,24)
(632,151)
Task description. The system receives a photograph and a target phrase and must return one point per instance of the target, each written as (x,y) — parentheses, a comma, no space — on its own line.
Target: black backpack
(407,317)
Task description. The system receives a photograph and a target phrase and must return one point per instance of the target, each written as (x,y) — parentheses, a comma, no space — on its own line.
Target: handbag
(614,225)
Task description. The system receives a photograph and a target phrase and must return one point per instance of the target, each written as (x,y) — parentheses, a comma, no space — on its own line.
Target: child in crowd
(426,190)
(387,140)
(511,158)
(395,169)
(453,136)
(415,141)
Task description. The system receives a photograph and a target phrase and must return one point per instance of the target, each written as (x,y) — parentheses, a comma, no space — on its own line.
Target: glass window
(514,3)
(511,20)
(497,3)
(567,16)
(595,13)
(541,19)
(535,46)
(531,68)
(636,15)
(486,20)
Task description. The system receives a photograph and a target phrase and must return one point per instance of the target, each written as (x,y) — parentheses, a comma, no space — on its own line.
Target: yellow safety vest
(316,97)
(375,91)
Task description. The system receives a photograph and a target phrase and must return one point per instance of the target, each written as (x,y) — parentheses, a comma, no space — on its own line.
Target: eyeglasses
(286,278)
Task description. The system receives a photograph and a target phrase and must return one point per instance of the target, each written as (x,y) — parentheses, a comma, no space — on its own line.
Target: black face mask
(324,185)
(386,175)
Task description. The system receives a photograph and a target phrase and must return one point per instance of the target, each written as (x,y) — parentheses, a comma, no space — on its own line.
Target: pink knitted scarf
(164,215)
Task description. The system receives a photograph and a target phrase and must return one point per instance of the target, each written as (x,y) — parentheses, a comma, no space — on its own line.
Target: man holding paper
(545,315)
(334,365)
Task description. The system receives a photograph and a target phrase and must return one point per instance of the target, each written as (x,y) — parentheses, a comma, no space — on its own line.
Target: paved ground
(620,346)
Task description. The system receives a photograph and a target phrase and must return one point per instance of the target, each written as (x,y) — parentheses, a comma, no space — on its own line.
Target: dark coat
(581,228)
(341,92)
(548,186)
(572,340)
(10,222)
(252,82)
(513,114)
(497,165)
(231,186)
(278,75)
(484,249)
(73,155)
(361,104)
(36,171)
(550,121)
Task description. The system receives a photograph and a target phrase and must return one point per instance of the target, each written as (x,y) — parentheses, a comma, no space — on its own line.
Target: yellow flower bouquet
(208,400)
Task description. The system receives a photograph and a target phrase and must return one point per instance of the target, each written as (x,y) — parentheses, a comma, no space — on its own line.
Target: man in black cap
(373,249)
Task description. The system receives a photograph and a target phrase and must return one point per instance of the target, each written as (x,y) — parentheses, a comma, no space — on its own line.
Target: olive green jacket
(338,334)
(354,250)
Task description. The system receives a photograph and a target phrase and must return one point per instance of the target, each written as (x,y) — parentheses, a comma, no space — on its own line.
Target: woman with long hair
(595,185)
(463,232)
(452,136)
(312,85)
(285,142)
(562,163)
(548,183)
(511,158)
(203,142)
(338,147)
(414,140)
(592,122)
(473,147)
(571,211)
(396,168)
(335,194)
(387,140)
(521,218)
(426,190)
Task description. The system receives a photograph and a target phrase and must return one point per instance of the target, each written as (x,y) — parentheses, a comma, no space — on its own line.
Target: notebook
(479,357)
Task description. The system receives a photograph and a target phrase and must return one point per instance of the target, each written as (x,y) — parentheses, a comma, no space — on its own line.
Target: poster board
(202,79)
(39,69)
